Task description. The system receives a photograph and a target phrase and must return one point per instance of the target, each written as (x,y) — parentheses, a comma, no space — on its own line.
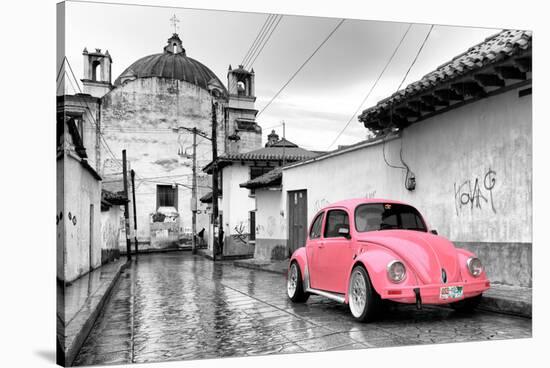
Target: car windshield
(385,216)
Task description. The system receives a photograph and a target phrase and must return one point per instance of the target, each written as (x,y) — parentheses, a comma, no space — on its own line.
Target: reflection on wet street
(178,306)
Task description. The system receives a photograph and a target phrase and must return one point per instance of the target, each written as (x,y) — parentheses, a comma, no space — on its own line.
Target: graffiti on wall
(240,232)
(320,203)
(476,193)
(271,225)
(370,194)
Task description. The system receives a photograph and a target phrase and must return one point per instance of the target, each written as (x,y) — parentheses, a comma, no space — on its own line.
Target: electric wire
(372,87)
(301,67)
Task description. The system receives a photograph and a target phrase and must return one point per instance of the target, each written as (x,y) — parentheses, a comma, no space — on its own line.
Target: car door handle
(321,245)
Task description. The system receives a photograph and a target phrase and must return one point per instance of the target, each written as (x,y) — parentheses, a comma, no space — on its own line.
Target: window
(167,196)
(315,231)
(380,216)
(336,219)
(241,88)
(95,68)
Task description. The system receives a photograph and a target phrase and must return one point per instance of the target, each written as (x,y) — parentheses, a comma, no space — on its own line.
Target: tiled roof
(273,177)
(272,153)
(494,50)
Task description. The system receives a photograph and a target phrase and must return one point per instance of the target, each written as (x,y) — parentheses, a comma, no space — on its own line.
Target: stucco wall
(59,217)
(81,190)
(473,168)
(110,233)
(138,116)
(270,226)
(236,204)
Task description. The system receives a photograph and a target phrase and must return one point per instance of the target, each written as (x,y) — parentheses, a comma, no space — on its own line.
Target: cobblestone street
(178,306)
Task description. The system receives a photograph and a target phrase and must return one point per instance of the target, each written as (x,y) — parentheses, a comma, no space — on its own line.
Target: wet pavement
(179,306)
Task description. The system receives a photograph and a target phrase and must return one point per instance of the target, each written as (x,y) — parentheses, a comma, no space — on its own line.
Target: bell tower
(97,72)
(244,134)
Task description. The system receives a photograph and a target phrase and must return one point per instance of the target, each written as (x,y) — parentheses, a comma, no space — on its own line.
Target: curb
(257,267)
(488,302)
(506,306)
(72,351)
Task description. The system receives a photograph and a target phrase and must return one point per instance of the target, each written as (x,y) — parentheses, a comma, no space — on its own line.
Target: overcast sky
(318,103)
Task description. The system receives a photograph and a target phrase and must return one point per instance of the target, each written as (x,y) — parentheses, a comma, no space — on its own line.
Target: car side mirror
(433,232)
(344,231)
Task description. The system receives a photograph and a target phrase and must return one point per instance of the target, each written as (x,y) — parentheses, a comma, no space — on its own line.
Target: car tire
(363,300)
(466,305)
(295,284)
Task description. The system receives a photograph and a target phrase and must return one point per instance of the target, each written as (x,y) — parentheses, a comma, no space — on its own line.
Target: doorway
(297,219)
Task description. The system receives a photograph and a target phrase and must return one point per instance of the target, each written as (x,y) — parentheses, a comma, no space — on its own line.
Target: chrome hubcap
(358,293)
(292,280)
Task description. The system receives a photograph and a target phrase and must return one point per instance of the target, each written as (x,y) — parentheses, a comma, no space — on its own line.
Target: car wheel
(362,298)
(466,305)
(295,285)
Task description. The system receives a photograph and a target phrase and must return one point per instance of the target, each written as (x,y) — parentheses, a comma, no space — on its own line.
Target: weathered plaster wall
(110,233)
(139,116)
(270,225)
(236,204)
(81,190)
(59,217)
(473,168)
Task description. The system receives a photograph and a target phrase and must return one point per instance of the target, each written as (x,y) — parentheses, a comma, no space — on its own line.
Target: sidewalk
(79,304)
(499,298)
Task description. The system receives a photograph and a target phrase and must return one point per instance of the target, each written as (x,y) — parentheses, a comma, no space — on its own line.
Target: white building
(457,145)
(237,205)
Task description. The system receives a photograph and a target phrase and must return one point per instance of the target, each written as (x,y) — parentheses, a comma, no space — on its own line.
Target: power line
(265,43)
(101,138)
(270,18)
(416,57)
(372,87)
(301,66)
(259,43)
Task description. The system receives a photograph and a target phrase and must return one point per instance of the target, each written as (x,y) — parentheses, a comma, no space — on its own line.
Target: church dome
(173,63)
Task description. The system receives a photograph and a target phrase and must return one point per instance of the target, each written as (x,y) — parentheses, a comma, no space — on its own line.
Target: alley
(177,306)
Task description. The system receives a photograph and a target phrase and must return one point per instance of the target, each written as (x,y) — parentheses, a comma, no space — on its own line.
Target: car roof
(352,203)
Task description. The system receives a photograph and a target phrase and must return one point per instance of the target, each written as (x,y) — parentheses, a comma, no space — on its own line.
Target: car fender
(374,259)
(463,256)
(300,257)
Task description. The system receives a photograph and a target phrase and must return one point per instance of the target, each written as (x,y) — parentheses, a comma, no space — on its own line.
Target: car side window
(335,220)
(315,231)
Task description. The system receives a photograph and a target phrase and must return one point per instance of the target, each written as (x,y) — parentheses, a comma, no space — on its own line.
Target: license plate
(450,292)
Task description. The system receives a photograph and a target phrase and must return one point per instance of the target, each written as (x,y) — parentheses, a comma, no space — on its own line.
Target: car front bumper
(431,294)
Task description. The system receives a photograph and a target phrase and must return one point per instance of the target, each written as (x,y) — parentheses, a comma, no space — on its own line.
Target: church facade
(150,111)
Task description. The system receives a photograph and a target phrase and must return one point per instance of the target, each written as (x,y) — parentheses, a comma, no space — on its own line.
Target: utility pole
(194,193)
(126,214)
(215,181)
(133,174)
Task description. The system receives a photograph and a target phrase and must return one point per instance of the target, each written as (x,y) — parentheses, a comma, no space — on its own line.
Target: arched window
(241,88)
(96,67)
(175,48)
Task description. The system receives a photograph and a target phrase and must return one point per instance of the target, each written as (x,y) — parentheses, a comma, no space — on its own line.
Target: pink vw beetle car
(360,251)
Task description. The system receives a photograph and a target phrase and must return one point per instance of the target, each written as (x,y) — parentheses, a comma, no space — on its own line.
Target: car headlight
(396,271)
(474,266)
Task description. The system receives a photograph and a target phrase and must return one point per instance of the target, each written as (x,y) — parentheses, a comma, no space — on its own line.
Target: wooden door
(297,219)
